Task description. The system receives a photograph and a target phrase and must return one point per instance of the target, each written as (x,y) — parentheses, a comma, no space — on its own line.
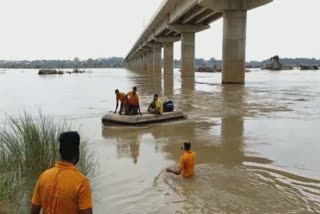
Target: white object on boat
(144,119)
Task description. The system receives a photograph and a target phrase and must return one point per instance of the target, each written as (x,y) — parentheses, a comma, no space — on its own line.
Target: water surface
(257,145)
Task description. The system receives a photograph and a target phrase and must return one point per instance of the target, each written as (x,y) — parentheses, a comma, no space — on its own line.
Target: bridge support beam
(188,46)
(168,53)
(156,49)
(136,63)
(187,54)
(140,61)
(234,46)
(145,62)
(131,64)
(150,61)
(136,67)
(168,58)
(168,68)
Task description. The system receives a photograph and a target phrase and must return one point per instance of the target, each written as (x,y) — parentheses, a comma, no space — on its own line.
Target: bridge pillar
(168,68)
(136,66)
(150,61)
(168,52)
(140,62)
(156,49)
(135,63)
(131,64)
(187,54)
(188,46)
(234,46)
(168,57)
(144,62)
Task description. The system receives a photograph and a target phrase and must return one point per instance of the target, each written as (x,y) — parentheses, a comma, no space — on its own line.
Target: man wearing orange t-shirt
(122,98)
(133,102)
(187,162)
(63,189)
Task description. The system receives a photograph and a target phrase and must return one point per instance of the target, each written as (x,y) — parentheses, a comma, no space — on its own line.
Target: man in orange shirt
(122,98)
(133,102)
(63,189)
(187,162)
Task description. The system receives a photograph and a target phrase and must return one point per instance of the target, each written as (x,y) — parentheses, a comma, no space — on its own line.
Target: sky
(64,29)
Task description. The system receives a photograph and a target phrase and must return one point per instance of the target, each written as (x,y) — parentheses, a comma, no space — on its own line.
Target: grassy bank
(28,146)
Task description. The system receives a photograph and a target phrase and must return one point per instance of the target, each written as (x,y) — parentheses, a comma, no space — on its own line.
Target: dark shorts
(133,109)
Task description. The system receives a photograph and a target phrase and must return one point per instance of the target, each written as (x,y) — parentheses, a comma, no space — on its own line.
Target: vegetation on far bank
(117,62)
(112,62)
(28,146)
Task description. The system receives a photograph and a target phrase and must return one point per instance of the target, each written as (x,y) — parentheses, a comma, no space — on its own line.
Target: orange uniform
(187,163)
(133,99)
(62,189)
(121,97)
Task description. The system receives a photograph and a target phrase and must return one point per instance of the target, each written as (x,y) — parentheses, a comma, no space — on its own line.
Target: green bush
(28,146)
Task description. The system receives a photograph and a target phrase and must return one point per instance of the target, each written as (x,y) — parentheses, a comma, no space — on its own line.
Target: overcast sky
(64,29)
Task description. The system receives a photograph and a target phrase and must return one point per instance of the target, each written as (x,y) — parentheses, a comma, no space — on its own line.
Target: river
(257,145)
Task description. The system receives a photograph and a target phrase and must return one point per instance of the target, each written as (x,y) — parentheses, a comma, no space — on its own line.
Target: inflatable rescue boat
(145,118)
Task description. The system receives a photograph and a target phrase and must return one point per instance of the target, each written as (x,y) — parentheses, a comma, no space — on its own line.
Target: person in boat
(63,188)
(187,162)
(133,102)
(155,106)
(120,97)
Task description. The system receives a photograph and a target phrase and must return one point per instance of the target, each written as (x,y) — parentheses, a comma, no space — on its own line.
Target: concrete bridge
(180,20)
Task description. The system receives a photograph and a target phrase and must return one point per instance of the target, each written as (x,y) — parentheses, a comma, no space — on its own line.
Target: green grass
(28,146)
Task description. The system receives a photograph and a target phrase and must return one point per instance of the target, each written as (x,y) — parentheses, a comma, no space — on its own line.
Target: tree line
(118,62)
(111,62)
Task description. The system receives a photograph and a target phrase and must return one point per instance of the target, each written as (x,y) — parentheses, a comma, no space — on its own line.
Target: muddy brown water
(257,145)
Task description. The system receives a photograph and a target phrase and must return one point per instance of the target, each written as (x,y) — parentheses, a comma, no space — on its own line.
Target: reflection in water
(134,151)
(232,124)
(128,140)
(128,143)
(232,139)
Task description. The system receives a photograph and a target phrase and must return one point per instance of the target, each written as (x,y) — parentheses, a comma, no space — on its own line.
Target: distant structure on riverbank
(276,64)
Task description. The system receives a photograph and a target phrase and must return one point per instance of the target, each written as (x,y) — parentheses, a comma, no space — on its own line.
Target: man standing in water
(187,162)
(63,189)
(122,98)
(133,102)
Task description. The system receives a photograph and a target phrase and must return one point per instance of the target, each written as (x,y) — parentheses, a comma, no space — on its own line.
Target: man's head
(134,89)
(117,92)
(186,146)
(69,146)
(155,97)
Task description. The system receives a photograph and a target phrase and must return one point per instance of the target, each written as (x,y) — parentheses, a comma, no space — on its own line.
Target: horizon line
(44,59)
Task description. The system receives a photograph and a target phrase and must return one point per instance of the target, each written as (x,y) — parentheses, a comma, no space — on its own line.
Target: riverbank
(28,146)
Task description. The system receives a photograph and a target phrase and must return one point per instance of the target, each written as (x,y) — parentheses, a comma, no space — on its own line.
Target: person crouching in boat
(120,96)
(133,102)
(187,162)
(155,106)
